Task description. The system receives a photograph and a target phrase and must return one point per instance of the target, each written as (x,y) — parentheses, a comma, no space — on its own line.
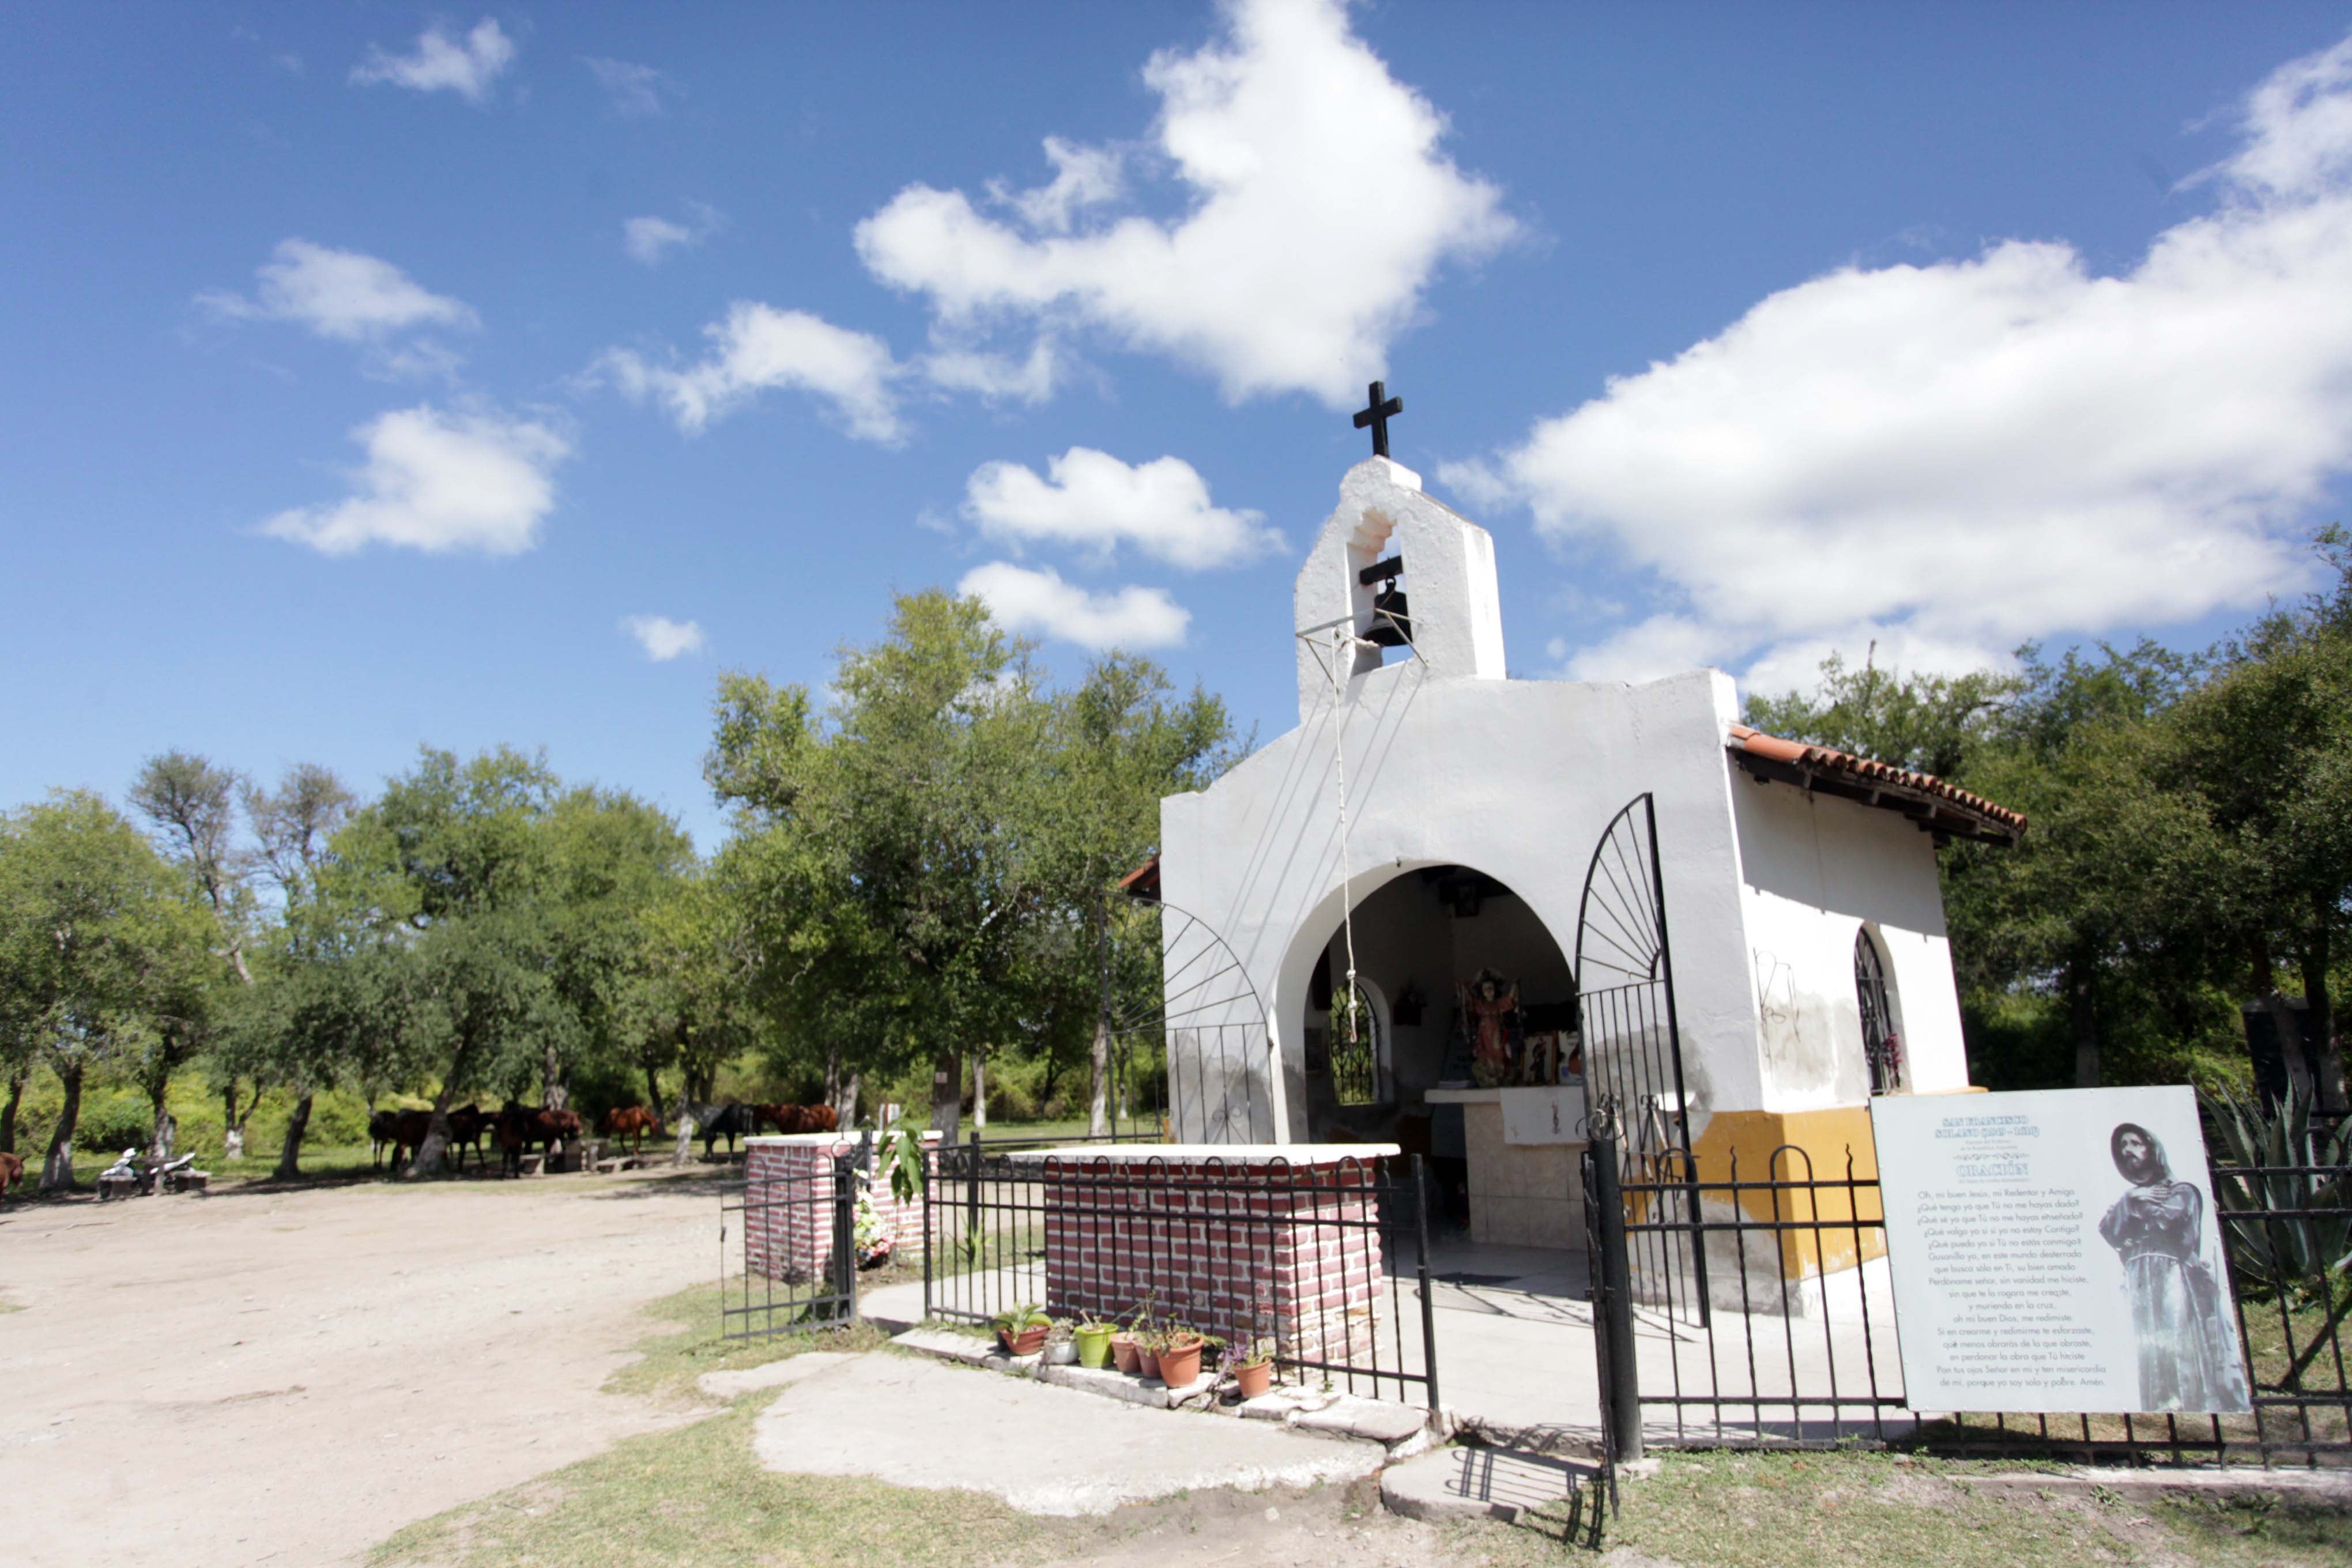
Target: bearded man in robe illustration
(2180,1314)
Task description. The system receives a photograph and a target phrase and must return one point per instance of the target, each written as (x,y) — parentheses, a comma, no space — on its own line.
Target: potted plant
(1093,1338)
(1253,1372)
(1147,1352)
(1061,1349)
(1124,1352)
(1179,1355)
(1021,1329)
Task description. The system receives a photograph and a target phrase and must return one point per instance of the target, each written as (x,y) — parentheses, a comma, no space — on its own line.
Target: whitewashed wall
(1447,763)
(1814,869)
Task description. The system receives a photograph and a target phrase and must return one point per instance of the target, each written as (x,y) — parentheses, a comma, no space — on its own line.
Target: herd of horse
(514,1128)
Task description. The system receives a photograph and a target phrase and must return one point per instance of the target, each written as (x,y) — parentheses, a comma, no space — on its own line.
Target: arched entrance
(1424,942)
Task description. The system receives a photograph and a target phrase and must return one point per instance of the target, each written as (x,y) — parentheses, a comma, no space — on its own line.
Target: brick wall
(1241,1251)
(788,1205)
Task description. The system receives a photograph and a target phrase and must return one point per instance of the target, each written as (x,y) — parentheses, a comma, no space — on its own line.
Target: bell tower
(1394,575)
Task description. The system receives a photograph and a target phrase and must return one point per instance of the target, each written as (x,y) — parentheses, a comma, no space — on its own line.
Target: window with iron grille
(1355,1048)
(1880,1043)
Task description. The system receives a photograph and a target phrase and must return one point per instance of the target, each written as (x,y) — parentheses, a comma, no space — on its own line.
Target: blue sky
(377,377)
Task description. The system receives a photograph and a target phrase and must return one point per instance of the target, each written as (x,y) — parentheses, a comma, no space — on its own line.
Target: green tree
(1116,745)
(295,824)
(91,931)
(909,798)
(452,860)
(2266,744)
(191,807)
(611,856)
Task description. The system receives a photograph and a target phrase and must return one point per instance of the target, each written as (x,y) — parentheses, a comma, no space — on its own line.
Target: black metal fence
(1326,1261)
(1794,1343)
(797,1232)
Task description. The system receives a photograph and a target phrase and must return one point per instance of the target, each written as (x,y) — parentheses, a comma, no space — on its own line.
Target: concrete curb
(2330,1488)
(1400,1430)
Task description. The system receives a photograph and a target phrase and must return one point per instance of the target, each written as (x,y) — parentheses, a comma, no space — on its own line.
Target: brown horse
(631,1121)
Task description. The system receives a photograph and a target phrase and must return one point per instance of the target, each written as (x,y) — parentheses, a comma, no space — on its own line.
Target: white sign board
(2056,1251)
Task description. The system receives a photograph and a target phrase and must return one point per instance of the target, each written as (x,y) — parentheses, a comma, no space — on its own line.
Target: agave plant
(2275,1168)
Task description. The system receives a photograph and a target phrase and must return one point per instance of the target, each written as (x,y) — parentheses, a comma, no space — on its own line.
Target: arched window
(1355,1049)
(1880,1044)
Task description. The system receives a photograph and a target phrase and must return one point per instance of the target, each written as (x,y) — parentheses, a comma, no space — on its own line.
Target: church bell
(1391,623)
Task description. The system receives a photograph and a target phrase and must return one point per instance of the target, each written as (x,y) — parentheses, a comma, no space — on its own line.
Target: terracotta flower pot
(1180,1364)
(1146,1361)
(1028,1341)
(1123,1352)
(1254,1379)
(1094,1346)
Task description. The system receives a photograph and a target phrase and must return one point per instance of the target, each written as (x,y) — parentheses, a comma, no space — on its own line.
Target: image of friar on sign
(2180,1312)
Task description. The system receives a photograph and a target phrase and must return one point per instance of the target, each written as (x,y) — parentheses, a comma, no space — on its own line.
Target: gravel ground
(287,1376)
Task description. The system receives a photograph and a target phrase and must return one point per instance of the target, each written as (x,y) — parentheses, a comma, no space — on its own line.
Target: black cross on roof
(1384,409)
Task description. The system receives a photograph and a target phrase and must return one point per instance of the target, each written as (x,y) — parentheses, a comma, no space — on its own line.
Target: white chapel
(1548,892)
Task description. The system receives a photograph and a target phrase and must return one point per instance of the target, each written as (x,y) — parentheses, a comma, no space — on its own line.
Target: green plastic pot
(1094,1346)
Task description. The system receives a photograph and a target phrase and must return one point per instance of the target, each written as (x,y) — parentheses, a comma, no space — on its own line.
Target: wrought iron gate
(1633,1054)
(1184,1006)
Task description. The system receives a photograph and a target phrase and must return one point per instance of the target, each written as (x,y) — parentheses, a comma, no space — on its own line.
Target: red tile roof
(1143,882)
(1924,798)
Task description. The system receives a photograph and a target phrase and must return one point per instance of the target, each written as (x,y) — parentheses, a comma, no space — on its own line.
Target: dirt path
(288,1377)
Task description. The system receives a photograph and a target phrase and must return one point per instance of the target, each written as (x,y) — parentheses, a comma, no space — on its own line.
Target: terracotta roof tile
(1944,807)
(1143,882)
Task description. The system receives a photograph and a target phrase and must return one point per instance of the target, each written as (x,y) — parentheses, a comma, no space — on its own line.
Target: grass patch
(687,1342)
(2272,1530)
(698,1499)
(1799,1511)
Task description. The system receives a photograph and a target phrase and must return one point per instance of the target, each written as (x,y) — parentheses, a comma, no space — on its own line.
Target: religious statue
(1490,1013)
(2188,1347)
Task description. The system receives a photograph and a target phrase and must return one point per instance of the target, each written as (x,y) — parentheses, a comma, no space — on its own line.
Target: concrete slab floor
(1042,1449)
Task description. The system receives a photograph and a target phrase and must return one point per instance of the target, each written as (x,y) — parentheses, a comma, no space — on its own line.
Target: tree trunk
(289,1155)
(683,1119)
(978,1089)
(165,1132)
(556,1097)
(845,1109)
(653,1088)
(57,1170)
(428,1159)
(2084,1018)
(1098,1055)
(2284,1026)
(8,1112)
(232,1124)
(2320,1008)
(946,1096)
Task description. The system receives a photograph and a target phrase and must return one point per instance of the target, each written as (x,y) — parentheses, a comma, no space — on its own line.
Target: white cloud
(1317,209)
(647,239)
(444,64)
(663,639)
(1083,177)
(1023,600)
(1091,499)
(995,377)
(757,347)
(636,91)
(1957,456)
(341,294)
(437,482)
(644,239)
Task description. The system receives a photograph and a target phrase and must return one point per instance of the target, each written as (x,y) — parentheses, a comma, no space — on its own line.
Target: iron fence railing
(1800,1348)
(798,1236)
(1330,1263)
